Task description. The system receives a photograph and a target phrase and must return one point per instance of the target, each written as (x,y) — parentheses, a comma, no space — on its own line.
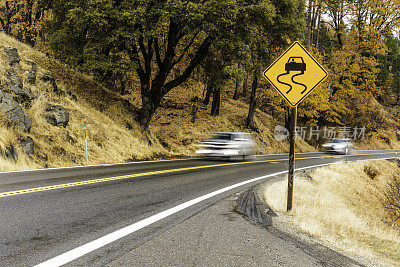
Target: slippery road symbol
(295,74)
(294,64)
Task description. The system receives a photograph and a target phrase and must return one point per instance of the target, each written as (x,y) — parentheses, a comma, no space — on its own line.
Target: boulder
(14,112)
(69,139)
(27,146)
(49,77)
(12,57)
(15,85)
(31,75)
(13,78)
(10,152)
(57,115)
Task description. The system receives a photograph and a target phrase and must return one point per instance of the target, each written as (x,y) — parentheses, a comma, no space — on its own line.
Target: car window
(223,136)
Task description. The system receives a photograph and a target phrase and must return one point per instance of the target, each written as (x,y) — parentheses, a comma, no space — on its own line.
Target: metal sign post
(292,137)
(295,74)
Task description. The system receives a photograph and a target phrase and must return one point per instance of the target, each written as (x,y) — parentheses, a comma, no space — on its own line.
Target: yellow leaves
(24,20)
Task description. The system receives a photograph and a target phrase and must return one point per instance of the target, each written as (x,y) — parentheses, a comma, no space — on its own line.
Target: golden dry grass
(109,140)
(343,205)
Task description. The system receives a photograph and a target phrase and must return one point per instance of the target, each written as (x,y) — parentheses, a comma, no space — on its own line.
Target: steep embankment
(56,110)
(346,204)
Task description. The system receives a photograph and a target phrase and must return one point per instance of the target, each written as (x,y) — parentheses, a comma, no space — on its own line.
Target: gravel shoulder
(221,236)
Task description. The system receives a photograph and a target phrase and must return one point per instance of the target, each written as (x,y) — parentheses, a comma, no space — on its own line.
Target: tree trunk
(123,86)
(245,85)
(146,112)
(209,90)
(318,27)
(253,102)
(216,101)
(195,108)
(309,24)
(236,94)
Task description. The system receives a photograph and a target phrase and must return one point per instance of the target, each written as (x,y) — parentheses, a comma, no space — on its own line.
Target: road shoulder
(219,235)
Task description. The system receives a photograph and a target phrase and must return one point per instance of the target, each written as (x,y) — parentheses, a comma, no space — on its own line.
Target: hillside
(113,134)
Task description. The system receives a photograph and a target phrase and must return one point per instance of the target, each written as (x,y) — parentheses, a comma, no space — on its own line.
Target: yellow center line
(101,180)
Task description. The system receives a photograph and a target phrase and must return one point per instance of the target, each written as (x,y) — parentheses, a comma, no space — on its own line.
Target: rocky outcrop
(57,115)
(12,57)
(15,86)
(27,146)
(14,112)
(10,152)
(49,77)
(31,75)
(13,78)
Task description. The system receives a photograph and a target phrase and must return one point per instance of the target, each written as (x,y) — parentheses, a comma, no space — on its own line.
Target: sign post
(295,74)
(292,136)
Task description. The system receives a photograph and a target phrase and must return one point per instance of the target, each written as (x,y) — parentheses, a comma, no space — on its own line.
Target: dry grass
(343,205)
(103,112)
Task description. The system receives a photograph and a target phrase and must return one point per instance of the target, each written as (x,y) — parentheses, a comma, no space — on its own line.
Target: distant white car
(229,145)
(339,145)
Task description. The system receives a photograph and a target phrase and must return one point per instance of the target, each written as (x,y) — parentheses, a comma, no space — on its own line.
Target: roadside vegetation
(352,206)
(113,133)
(151,80)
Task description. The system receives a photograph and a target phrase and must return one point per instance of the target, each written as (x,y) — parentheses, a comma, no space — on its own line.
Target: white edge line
(127,230)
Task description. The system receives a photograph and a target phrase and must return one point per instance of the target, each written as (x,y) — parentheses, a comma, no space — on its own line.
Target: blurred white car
(229,145)
(339,145)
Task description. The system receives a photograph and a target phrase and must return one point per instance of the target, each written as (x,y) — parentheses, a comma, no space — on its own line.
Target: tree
(162,41)
(24,19)
(337,11)
(270,36)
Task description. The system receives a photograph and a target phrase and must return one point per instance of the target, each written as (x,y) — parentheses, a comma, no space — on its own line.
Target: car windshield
(339,141)
(223,136)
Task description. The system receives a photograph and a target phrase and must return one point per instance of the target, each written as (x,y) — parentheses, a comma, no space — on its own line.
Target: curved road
(45,218)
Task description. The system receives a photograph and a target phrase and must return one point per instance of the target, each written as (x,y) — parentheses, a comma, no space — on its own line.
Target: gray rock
(13,78)
(22,95)
(69,138)
(72,96)
(15,85)
(15,112)
(31,75)
(49,77)
(57,115)
(12,57)
(10,152)
(27,146)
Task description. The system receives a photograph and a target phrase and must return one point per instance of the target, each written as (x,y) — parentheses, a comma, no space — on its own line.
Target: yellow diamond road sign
(295,74)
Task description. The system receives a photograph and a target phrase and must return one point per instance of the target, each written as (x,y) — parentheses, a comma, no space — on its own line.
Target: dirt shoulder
(342,206)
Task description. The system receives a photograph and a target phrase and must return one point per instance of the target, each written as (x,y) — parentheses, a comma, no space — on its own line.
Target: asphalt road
(39,222)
